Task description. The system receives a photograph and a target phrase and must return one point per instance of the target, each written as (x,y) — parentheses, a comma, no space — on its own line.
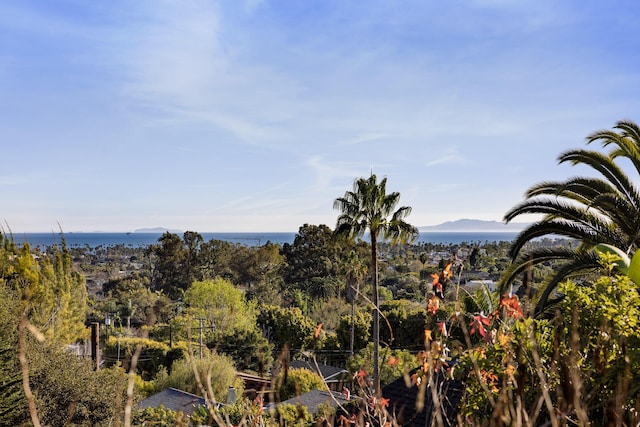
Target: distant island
(475,225)
(155,230)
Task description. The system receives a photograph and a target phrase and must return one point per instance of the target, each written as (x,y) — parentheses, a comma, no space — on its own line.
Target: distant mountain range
(475,225)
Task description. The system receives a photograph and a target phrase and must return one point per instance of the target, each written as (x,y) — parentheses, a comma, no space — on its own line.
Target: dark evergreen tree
(313,260)
(168,260)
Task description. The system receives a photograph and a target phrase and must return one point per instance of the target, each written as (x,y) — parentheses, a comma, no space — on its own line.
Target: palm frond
(528,259)
(602,209)
(607,167)
(577,267)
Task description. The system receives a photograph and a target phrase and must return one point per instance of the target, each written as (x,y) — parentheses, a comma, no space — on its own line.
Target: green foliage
(241,412)
(235,412)
(294,382)
(53,295)
(215,368)
(120,349)
(492,369)
(159,417)
(222,305)
(634,268)
(178,262)
(393,363)
(313,261)
(170,258)
(404,325)
(362,330)
(613,302)
(599,209)
(248,348)
(292,415)
(614,257)
(404,286)
(286,326)
(69,392)
(12,402)
(216,259)
(583,362)
(325,410)
(264,293)
(259,266)
(229,322)
(601,335)
(129,301)
(384,294)
(328,312)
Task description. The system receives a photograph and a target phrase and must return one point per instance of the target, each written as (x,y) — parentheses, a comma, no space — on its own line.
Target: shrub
(69,392)
(159,417)
(153,356)
(215,369)
(294,382)
(393,363)
(292,415)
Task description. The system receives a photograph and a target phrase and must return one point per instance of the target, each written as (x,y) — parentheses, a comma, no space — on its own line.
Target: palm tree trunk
(353,326)
(376,314)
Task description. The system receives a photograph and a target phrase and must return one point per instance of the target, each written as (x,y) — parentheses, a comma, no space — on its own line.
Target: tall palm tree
(592,210)
(369,208)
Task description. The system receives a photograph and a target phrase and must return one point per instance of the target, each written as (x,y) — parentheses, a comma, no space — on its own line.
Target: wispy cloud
(364,138)
(451,155)
(183,63)
(326,174)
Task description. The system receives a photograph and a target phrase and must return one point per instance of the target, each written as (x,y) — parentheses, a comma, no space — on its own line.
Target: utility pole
(95,344)
(201,337)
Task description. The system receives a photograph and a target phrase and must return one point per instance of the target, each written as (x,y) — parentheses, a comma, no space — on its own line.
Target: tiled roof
(174,399)
(402,402)
(315,398)
(327,372)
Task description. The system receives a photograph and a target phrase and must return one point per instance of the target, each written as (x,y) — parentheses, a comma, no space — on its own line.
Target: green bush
(294,382)
(159,417)
(120,349)
(69,392)
(393,363)
(292,415)
(216,369)
(362,330)
(249,350)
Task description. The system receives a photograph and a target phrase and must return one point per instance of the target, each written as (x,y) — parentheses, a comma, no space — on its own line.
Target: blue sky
(251,115)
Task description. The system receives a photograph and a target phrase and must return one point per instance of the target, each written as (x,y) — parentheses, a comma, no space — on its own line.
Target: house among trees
(403,398)
(174,399)
(332,376)
(314,399)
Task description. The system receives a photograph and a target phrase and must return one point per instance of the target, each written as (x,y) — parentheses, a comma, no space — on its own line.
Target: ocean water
(249,239)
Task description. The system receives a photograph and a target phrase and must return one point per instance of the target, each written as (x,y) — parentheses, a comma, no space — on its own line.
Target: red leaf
(478,323)
(512,306)
(442,327)
(433,304)
(435,278)
(318,329)
(360,375)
